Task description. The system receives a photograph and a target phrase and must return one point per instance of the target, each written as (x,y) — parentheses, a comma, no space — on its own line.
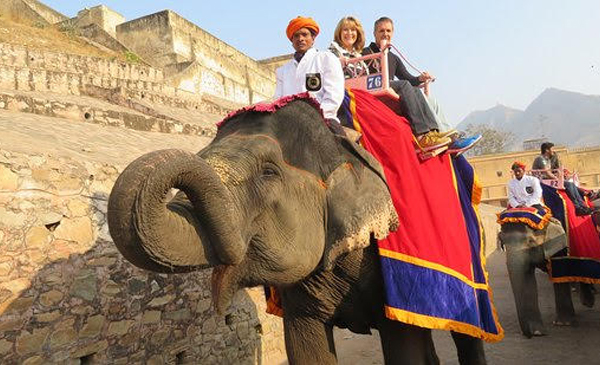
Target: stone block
(84,286)
(89,349)
(48,317)
(5,347)
(160,301)
(8,179)
(62,337)
(37,238)
(119,328)
(111,288)
(150,317)
(28,343)
(78,229)
(179,315)
(51,298)
(34,360)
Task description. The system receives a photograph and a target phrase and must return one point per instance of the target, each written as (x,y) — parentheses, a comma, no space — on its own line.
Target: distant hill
(567,118)
(498,117)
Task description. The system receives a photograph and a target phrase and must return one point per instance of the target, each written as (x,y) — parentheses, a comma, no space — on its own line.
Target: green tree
(492,141)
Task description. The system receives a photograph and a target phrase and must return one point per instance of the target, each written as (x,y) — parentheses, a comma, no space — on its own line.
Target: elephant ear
(359,204)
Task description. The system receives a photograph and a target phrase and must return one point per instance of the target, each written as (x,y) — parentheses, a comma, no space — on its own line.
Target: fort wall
(102,16)
(197,60)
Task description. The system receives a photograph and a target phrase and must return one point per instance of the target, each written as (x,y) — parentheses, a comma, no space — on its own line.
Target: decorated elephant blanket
(534,217)
(582,261)
(434,265)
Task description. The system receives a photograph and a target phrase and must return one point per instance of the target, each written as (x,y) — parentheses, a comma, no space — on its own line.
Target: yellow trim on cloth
(544,220)
(425,321)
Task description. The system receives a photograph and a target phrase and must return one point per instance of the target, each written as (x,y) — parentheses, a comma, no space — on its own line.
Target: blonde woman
(348,42)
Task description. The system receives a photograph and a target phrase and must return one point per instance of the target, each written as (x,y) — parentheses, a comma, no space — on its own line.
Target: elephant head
(519,236)
(274,197)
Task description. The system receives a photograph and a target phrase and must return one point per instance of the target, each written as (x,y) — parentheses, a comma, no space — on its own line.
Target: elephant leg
(521,272)
(403,344)
(586,295)
(469,349)
(309,341)
(565,313)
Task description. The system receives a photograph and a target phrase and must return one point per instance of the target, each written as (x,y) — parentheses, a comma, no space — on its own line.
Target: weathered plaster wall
(67,296)
(209,64)
(150,37)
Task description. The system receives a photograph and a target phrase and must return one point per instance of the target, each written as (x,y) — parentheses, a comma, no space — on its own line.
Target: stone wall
(68,297)
(210,65)
(25,58)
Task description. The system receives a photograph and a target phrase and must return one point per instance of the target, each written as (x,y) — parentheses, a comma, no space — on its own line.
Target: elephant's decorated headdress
(272,107)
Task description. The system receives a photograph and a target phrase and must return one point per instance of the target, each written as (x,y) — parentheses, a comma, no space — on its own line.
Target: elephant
(276,199)
(526,250)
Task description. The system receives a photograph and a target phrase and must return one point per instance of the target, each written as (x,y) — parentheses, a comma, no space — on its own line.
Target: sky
(482,52)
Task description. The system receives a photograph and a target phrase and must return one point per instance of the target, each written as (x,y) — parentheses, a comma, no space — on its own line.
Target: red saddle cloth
(433,266)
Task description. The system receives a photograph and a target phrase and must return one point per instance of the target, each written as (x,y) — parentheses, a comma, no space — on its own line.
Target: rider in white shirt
(523,190)
(319,73)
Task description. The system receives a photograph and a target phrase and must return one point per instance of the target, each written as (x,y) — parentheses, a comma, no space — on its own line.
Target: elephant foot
(534,330)
(586,295)
(563,323)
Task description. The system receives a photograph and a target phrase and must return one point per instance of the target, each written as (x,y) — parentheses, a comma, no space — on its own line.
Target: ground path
(564,345)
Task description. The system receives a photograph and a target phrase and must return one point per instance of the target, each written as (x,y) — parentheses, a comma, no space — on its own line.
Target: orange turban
(517,164)
(301,22)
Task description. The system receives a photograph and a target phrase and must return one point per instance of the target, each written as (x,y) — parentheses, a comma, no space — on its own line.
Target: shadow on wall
(95,307)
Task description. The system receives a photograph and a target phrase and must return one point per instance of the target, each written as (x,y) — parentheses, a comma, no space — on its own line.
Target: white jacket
(526,191)
(291,79)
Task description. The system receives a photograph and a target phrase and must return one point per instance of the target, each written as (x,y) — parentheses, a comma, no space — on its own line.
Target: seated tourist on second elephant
(319,73)
(348,42)
(426,120)
(524,190)
(544,163)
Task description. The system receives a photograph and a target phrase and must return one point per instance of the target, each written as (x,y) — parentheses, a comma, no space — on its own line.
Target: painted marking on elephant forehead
(224,170)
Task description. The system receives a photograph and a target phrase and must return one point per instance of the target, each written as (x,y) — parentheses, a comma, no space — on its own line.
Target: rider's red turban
(301,22)
(518,164)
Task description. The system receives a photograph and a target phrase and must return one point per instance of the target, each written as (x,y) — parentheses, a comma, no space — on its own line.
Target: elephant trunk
(174,237)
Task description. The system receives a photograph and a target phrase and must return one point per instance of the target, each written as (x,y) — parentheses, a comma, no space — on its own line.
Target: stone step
(89,110)
(23,57)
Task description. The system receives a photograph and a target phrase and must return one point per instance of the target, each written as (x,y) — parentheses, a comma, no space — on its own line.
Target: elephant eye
(269,170)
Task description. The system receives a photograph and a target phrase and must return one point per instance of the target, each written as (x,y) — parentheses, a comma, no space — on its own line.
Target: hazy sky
(482,52)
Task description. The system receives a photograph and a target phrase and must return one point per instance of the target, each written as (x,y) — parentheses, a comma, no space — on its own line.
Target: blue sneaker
(460,145)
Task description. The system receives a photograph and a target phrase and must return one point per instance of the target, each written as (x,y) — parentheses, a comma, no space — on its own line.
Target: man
(414,106)
(547,161)
(524,190)
(319,73)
